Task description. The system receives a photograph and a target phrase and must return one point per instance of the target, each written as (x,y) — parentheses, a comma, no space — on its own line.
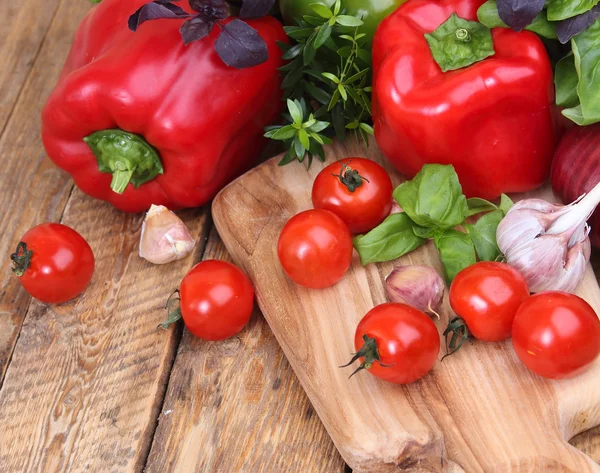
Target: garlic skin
(548,243)
(164,237)
(418,286)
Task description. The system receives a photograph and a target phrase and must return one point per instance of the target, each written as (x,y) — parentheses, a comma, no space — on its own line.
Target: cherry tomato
(315,248)
(357,190)
(216,300)
(396,343)
(556,334)
(486,296)
(53,262)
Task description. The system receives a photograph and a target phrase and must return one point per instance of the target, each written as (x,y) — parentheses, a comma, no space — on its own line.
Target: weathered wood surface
(479,411)
(236,406)
(87,379)
(32,189)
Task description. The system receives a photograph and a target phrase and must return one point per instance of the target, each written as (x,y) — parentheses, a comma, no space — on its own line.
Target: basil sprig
(434,207)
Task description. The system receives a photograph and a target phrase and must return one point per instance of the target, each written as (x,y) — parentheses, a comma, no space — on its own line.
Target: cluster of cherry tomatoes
(555,334)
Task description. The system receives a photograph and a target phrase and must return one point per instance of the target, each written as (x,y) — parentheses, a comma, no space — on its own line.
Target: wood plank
(87,378)
(23,27)
(478,411)
(236,406)
(32,189)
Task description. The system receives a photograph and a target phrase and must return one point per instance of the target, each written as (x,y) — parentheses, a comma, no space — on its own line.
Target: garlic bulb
(165,237)
(548,243)
(418,286)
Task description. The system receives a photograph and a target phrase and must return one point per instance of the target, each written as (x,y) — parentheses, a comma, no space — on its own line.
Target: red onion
(576,169)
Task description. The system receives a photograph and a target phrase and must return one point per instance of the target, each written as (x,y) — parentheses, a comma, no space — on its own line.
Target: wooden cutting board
(478,411)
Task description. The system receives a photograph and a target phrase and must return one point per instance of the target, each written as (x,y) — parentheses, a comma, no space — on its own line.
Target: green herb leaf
(434,197)
(323,35)
(284,133)
(586,53)
(506,203)
(331,77)
(477,205)
(295,110)
(565,82)
(298,32)
(309,50)
(347,20)
(483,235)
(288,157)
(488,16)
(563,9)
(318,126)
(321,10)
(299,148)
(456,252)
(458,43)
(343,92)
(304,139)
(423,232)
(393,238)
(367,128)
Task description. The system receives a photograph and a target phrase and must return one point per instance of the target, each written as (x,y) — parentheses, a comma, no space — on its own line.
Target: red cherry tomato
(556,334)
(54,263)
(357,190)
(216,300)
(486,296)
(398,343)
(315,248)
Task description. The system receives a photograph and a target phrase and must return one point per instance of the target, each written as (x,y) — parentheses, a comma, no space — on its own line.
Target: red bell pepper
(141,119)
(492,116)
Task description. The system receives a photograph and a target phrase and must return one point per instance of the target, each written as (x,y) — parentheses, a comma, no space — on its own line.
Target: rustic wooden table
(91,385)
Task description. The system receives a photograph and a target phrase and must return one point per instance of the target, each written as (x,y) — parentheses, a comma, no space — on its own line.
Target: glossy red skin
(407,341)
(217,299)
(315,248)
(61,266)
(206,119)
(487,296)
(556,334)
(493,120)
(363,209)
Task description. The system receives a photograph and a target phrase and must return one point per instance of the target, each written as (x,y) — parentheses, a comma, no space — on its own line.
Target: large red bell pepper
(492,119)
(158,121)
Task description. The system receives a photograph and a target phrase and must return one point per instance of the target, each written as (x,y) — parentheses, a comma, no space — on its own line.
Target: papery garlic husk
(165,237)
(548,243)
(418,286)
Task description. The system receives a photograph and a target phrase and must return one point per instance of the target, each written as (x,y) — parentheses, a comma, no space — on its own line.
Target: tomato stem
(21,259)
(351,178)
(460,334)
(173,310)
(369,352)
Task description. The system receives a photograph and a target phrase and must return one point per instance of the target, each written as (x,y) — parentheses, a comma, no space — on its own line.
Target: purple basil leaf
(210,10)
(256,8)
(240,46)
(195,29)
(519,13)
(570,27)
(155,11)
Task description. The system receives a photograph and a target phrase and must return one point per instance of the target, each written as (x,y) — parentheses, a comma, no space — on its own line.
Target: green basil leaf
(586,52)
(565,82)
(458,43)
(488,16)
(483,235)
(393,238)
(424,232)
(563,9)
(477,205)
(456,252)
(434,197)
(506,203)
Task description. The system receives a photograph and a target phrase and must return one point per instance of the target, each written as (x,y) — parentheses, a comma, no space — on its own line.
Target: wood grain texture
(32,189)
(478,411)
(87,379)
(23,27)
(236,406)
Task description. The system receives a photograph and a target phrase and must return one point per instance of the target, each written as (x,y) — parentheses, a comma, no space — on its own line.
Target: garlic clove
(418,286)
(164,237)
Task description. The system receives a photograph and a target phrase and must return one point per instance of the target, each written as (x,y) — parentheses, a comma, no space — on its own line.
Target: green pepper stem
(127,156)
(462,34)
